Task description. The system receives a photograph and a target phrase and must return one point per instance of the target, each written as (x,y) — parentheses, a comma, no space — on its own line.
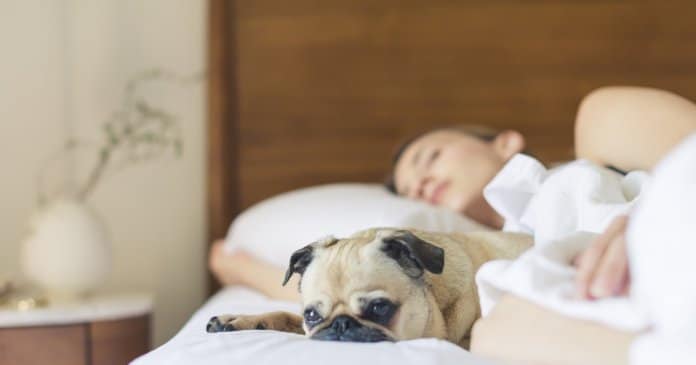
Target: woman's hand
(603,267)
(226,267)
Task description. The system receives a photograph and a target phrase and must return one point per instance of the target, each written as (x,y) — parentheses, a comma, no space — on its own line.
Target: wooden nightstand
(98,331)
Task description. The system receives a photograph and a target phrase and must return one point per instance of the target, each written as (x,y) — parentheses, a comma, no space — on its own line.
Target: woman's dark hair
(486,134)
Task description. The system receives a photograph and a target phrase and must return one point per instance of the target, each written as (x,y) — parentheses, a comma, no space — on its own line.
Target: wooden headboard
(306,92)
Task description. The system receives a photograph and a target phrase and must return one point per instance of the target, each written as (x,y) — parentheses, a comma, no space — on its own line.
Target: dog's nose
(343,323)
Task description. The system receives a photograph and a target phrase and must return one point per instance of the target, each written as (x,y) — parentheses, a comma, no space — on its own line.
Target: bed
(193,346)
(310,92)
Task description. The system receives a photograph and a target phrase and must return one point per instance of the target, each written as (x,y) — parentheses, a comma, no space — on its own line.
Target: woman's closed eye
(425,163)
(434,154)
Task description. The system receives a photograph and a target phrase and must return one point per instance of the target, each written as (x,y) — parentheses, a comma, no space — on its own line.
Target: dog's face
(366,288)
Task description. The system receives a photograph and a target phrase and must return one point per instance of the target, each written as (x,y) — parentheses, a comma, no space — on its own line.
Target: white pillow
(274,228)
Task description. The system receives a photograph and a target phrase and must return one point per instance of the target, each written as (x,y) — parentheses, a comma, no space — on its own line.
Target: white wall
(155,212)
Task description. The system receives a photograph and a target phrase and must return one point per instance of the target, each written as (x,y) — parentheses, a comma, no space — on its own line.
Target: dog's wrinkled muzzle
(346,328)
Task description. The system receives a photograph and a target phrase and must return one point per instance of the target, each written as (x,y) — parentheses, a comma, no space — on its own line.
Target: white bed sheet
(192,345)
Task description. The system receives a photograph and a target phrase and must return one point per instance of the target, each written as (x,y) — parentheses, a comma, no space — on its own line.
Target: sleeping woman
(625,127)
(646,254)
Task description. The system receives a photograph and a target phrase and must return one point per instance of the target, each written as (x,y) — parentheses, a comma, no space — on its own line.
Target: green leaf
(104,154)
(111,135)
(70,143)
(178,148)
(142,107)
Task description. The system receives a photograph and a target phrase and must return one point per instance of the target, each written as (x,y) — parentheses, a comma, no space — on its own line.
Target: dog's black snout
(347,328)
(344,323)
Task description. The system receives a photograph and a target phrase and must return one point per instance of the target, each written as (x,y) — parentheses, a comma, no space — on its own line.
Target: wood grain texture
(57,345)
(325,89)
(223,189)
(119,341)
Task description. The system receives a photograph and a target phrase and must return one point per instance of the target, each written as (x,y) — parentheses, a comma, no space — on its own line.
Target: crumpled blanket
(564,208)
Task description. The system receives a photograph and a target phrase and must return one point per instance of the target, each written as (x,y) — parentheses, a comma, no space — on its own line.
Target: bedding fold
(661,246)
(565,208)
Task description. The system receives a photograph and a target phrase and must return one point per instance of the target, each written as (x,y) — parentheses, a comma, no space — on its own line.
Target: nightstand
(101,330)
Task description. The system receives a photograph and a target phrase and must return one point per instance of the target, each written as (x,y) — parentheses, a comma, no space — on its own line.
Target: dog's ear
(299,261)
(413,254)
(301,258)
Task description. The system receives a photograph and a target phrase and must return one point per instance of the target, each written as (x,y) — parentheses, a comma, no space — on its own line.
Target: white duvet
(192,345)
(564,208)
(558,205)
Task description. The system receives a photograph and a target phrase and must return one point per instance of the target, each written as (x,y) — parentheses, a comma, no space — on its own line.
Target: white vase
(67,251)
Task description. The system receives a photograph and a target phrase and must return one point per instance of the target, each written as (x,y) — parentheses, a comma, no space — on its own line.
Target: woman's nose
(421,186)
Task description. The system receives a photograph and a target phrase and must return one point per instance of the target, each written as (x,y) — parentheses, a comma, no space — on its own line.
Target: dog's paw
(220,324)
(234,323)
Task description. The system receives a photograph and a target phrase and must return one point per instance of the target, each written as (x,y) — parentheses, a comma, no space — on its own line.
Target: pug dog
(386,284)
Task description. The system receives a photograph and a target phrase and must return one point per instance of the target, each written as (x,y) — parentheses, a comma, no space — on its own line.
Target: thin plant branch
(135,133)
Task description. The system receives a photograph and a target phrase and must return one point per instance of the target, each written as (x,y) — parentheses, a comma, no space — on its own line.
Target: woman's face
(450,168)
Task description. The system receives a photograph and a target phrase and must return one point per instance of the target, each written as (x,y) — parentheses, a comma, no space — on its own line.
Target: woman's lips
(438,192)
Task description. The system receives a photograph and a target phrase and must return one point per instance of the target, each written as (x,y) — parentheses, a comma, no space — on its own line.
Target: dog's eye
(380,311)
(380,308)
(312,317)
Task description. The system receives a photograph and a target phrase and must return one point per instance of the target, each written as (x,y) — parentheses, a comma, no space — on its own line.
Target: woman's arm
(628,128)
(520,332)
(631,128)
(240,268)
